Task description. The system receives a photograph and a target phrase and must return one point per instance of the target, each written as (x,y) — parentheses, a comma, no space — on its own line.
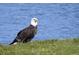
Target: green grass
(45,47)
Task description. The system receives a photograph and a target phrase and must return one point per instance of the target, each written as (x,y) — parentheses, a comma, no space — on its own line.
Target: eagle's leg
(27,40)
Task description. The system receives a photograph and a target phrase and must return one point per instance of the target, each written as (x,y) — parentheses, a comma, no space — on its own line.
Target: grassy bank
(46,47)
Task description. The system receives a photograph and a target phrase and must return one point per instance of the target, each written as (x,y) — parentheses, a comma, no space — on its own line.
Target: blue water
(55,20)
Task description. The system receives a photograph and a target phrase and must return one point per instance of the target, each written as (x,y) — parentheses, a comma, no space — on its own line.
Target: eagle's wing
(26,33)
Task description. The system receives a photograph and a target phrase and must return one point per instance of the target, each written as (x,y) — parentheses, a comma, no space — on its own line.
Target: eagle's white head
(34,22)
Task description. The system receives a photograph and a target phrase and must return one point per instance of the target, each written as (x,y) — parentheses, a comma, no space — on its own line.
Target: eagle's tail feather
(14,42)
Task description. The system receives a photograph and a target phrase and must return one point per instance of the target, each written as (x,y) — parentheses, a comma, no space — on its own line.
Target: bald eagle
(27,33)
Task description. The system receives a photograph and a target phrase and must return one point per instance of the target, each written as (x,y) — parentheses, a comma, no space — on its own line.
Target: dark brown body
(26,34)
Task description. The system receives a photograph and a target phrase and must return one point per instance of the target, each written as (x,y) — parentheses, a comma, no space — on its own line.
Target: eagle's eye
(35,20)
